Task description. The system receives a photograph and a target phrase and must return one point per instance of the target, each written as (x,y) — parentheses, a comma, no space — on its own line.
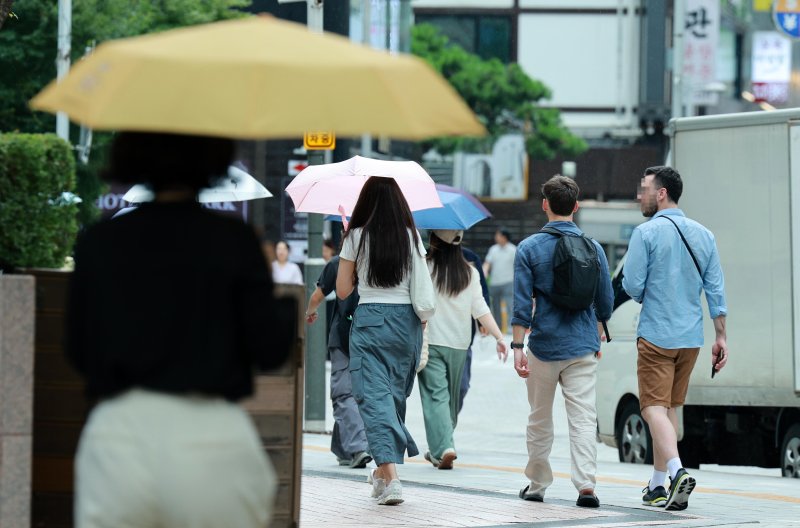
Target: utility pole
(315,334)
(62,58)
(366,29)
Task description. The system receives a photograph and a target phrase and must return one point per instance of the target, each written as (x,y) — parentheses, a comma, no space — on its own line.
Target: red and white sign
(700,41)
(296,166)
(771,67)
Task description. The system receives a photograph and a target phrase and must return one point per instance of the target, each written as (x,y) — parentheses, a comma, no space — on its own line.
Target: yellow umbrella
(257,77)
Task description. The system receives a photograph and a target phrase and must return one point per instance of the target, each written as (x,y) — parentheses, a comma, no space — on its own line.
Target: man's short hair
(668,178)
(561,193)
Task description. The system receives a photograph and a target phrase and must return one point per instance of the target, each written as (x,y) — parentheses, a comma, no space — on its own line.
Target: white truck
(741,175)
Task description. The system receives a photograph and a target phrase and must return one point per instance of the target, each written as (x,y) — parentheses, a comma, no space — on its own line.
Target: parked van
(741,175)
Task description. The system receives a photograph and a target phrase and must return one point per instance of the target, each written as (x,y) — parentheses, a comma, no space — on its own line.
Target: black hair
(505,232)
(328,243)
(163,161)
(384,217)
(451,271)
(282,241)
(668,178)
(561,194)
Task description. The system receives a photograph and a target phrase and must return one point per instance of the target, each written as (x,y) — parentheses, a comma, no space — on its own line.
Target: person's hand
(502,350)
(720,347)
(521,363)
(311,317)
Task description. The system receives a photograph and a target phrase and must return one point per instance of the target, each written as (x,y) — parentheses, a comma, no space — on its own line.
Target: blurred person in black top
(171,311)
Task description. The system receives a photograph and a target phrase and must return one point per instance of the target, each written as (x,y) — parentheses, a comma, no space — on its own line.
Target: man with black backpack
(567,275)
(670,260)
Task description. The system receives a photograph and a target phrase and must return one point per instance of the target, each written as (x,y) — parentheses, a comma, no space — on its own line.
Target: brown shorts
(663,374)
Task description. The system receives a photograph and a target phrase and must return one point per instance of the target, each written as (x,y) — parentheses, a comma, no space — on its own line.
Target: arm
(720,346)
(523,308)
(636,267)
(313,303)
(480,311)
(344,279)
(520,359)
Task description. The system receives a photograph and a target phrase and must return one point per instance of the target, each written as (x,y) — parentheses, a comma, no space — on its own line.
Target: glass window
(485,36)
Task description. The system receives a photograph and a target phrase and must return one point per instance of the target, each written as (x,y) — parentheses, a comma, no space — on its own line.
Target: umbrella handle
(344,217)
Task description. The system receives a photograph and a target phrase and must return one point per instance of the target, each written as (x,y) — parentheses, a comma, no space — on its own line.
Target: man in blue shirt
(670,260)
(562,348)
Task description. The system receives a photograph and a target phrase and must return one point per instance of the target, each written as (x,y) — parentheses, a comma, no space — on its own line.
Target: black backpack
(575,271)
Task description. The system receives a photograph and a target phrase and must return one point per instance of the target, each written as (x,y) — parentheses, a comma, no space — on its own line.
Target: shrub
(37,226)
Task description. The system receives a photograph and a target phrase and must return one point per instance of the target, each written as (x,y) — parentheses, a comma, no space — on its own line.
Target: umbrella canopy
(461,211)
(238,186)
(333,188)
(256,77)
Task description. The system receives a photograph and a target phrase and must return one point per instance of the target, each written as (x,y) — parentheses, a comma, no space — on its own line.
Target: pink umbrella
(334,188)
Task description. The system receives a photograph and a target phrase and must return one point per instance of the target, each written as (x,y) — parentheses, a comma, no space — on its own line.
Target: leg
(496,297)
(665,437)
(455,360)
(578,386)
(350,426)
(541,390)
(465,377)
(508,298)
(656,371)
(435,398)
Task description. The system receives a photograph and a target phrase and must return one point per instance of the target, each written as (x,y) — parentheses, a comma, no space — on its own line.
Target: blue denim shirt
(659,274)
(556,334)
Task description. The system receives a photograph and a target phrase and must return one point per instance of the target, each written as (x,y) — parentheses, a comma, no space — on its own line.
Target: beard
(648,210)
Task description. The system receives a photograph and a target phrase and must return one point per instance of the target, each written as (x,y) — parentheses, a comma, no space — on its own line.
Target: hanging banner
(700,42)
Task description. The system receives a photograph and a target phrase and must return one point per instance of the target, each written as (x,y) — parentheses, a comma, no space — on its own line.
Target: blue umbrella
(461,211)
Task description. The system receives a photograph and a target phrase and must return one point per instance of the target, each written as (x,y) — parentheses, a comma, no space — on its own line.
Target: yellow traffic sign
(319,140)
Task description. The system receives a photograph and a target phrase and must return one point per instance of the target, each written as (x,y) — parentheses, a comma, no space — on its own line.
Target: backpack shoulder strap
(552,231)
(685,243)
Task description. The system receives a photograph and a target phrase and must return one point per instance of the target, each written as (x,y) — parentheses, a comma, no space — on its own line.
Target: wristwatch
(517,345)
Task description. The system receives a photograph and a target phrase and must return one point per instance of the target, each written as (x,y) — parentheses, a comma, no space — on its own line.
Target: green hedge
(36,228)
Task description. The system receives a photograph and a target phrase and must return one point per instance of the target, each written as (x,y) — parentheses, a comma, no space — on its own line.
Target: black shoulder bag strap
(685,243)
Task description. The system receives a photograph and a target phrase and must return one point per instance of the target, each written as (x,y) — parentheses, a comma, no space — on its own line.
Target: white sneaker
(378,484)
(393,494)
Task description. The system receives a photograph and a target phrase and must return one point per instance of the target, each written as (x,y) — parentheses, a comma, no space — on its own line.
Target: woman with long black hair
(381,249)
(459,299)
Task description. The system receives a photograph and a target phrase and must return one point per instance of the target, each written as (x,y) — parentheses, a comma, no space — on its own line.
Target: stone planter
(16,398)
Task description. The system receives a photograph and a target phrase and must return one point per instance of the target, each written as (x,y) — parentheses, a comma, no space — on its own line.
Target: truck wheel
(790,452)
(634,443)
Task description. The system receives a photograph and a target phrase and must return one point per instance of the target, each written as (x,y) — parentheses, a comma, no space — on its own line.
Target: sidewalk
(484,494)
(481,491)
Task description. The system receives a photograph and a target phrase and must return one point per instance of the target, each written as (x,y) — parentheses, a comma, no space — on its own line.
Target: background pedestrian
(499,268)
(459,300)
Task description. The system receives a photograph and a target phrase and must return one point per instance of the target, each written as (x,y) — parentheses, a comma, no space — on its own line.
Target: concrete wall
(16,398)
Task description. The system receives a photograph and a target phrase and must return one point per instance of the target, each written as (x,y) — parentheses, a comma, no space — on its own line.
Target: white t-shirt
(451,325)
(501,259)
(289,273)
(400,294)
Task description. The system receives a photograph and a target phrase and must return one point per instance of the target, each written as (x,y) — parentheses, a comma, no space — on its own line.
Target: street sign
(296,166)
(786,17)
(771,67)
(319,140)
(700,42)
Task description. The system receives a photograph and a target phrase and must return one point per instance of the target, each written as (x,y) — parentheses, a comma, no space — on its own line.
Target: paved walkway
(482,489)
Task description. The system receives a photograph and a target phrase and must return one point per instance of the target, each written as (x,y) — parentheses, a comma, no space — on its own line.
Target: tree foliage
(39,225)
(503,97)
(28,43)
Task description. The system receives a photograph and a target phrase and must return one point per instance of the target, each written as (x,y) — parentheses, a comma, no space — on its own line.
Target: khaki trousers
(151,460)
(577,379)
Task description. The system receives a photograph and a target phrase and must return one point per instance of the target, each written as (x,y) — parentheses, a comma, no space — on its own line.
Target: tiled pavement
(344,502)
